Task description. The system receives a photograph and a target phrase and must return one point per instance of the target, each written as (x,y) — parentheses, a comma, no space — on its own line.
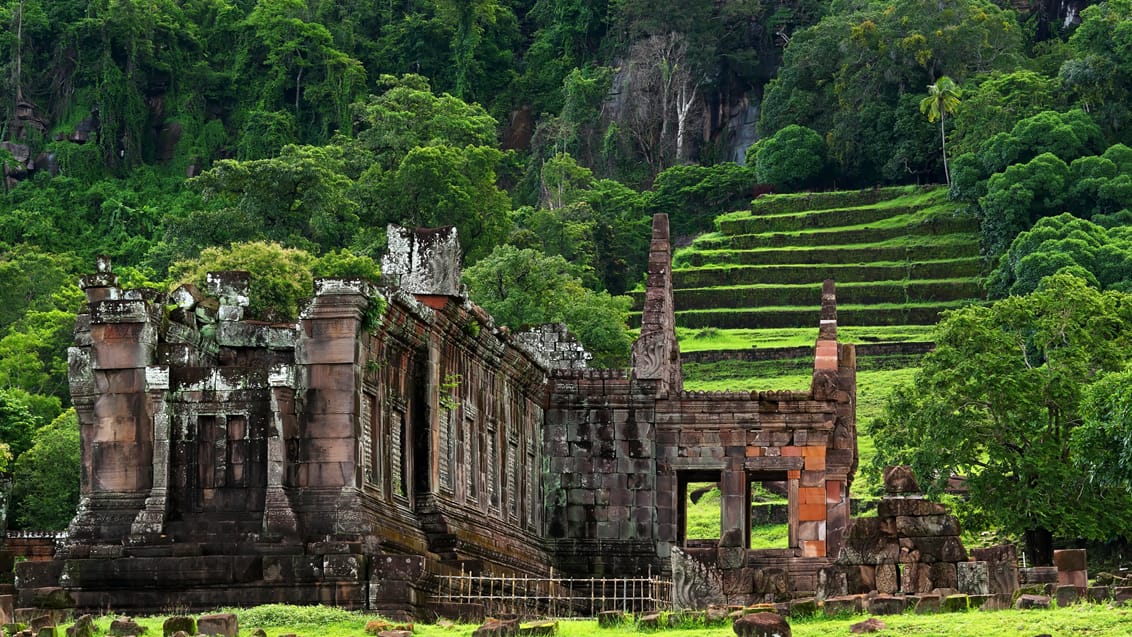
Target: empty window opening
(769,510)
(701,508)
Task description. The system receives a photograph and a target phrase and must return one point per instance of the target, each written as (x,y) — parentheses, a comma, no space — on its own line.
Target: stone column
(656,353)
(150,521)
(329,355)
(118,441)
(278,517)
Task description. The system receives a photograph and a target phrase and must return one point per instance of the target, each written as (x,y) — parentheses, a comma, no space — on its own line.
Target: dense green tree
(598,223)
(17,424)
(408,114)
(791,159)
(302,66)
(1100,73)
(301,198)
(45,478)
(1019,196)
(30,279)
(522,288)
(566,39)
(468,19)
(998,402)
(1102,444)
(999,101)
(446,185)
(1102,256)
(692,196)
(344,264)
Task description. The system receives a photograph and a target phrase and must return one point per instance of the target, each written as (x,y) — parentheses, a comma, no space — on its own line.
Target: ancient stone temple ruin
(395,433)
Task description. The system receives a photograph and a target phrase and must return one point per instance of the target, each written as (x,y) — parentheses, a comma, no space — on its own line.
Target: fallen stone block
(649,621)
(611,618)
(1069,559)
(546,628)
(870,625)
(845,605)
(179,623)
(83,627)
(761,625)
(223,624)
(978,601)
(805,607)
(926,604)
(998,601)
(886,605)
(1067,595)
(1032,602)
(955,604)
(714,615)
(497,628)
(1121,595)
(126,627)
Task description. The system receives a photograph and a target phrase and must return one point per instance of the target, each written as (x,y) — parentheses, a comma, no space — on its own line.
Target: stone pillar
(119,436)
(150,521)
(734,501)
(279,519)
(656,353)
(1072,569)
(329,355)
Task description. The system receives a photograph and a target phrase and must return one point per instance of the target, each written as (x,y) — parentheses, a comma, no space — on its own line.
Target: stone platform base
(132,584)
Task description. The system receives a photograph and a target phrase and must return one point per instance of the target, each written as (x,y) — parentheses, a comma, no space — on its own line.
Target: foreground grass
(1084,620)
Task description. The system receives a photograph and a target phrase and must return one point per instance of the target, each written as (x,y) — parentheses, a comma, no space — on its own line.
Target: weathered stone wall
(600,482)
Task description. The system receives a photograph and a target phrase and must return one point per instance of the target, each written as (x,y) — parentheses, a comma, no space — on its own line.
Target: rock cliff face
(395,433)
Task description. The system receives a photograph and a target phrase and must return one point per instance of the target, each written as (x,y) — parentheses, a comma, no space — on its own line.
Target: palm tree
(943,98)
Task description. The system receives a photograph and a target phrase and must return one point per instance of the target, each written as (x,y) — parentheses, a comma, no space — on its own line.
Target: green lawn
(709,338)
(1077,620)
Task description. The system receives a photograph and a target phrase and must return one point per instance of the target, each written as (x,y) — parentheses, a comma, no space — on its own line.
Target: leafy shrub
(791,159)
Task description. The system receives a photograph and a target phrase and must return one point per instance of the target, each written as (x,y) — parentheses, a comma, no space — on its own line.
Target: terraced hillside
(748,295)
(899,256)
